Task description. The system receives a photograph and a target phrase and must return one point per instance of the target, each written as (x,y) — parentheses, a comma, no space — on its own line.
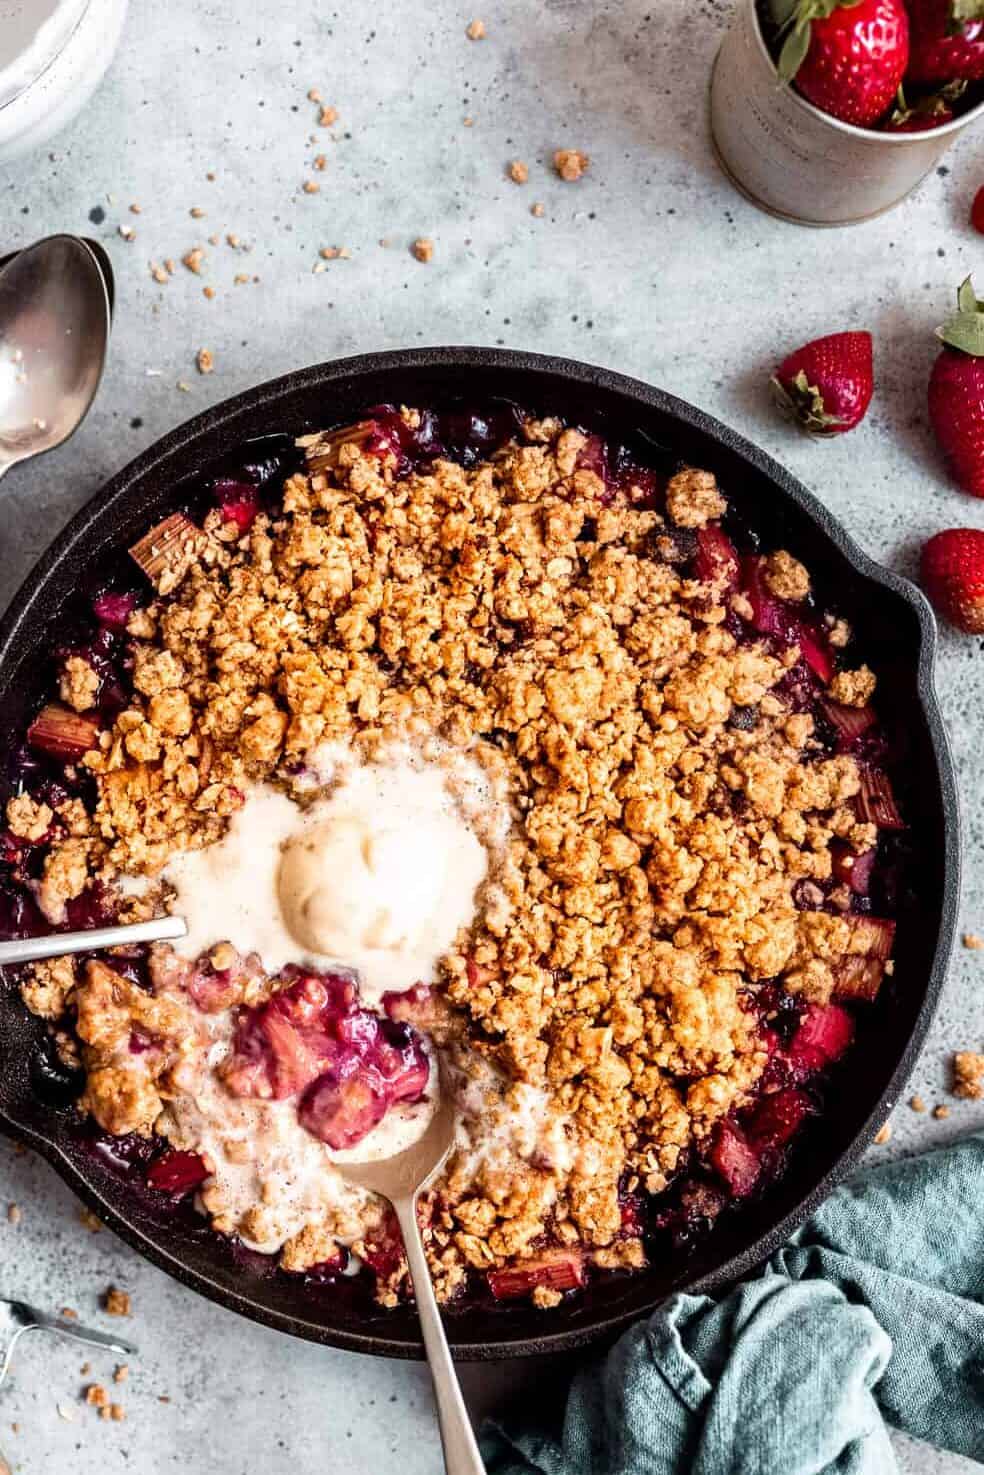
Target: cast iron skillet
(896,627)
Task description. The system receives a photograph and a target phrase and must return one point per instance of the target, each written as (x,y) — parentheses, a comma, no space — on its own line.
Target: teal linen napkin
(872,1315)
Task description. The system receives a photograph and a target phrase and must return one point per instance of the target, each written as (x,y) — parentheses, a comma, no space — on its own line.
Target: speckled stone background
(651,264)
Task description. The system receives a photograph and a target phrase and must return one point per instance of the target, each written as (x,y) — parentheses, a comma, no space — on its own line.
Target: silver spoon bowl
(55,317)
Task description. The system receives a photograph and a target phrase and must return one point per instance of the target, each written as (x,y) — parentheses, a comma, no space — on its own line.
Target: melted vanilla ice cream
(378,877)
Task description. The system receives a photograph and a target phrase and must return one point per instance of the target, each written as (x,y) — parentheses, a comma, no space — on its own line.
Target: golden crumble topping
(666,798)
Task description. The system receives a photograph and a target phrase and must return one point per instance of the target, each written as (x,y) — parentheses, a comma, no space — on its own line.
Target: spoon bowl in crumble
(714,786)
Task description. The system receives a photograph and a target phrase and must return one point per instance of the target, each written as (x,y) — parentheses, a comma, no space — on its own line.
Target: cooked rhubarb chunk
(114,610)
(62,733)
(876,801)
(716,562)
(777,1117)
(850,722)
(558,1269)
(853,870)
(167,552)
(735,1159)
(341,1110)
(824,1034)
(177,1173)
(772,616)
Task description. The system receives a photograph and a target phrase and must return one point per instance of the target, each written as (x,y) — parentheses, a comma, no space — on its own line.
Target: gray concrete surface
(651,264)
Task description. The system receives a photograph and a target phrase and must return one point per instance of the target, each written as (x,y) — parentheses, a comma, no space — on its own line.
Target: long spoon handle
(461,1456)
(30,949)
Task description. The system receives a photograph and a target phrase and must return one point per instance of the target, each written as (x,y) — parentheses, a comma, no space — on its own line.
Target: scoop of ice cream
(346,885)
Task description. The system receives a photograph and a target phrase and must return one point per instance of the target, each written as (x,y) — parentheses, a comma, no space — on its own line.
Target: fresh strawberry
(953,577)
(946,41)
(977,211)
(926,113)
(826,385)
(956,392)
(847,57)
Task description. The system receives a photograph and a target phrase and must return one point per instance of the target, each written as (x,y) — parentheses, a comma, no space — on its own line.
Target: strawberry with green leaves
(946,41)
(956,392)
(847,57)
(926,113)
(952,569)
(826,386)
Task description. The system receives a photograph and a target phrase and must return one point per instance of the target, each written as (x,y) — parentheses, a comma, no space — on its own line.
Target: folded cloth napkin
(871,1315)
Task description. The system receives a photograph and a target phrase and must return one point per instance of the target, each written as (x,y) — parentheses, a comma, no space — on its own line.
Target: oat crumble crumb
(916,1103)
(476,30)
(196,212)
(884,1134)
(570,164)
(327,117)
(122,1373)
(973,941)
(96,1396)
(311,187)
(194,260)
(204,361)
(538,209)
(423,249)
(941,1112)
(117,1302)
(14,1214)
(968,1075)
(519,172)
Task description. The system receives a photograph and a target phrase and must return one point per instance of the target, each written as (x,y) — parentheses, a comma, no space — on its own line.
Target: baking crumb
(117,1302)
(941,1112)
(204,362)
(210,175)
(917,1103)
(884,1134)
(538,210)
(68,1313)
(423,248)
(214,239)
(208,292)
(476,31)
(14,1214)
(968,1075)
(66,1412)
(122,1373)
(328,116)
(240,278)
(85,1369)
(193,260)
(973,941)
(117,1413)
(184,386)
(314,95)
(321,162)
(385,242)
(196,212)
(518,171)
(468,122)
(335,253)
(163,1398)
(570,164)
(233,240)
(89,1221)
(135,210)
(96,1396)
(311,187)
(158,273)
(127,232)
(169,265)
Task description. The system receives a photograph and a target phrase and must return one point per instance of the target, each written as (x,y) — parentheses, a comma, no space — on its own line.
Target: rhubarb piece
(322,451)
(177,1173)
(871,936)
(238,501)
(772,616)
(168,551)
(341,1110)
(776,1118)
(850,722)
(824,1034)
(717,562)
(860,974)
(876,801)
(284,1045)
(114,610)
(559,1269)
(62,733)
(851,869)
(735,1159)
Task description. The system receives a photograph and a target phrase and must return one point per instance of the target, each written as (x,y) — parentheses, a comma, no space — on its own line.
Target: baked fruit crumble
(643,886)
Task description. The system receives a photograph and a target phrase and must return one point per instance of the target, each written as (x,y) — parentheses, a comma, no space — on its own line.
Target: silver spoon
(58,944)
(54,334)
(401,1179)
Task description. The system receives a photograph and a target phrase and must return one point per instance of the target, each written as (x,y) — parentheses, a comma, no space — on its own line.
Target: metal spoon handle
(29,949)
(461,1456)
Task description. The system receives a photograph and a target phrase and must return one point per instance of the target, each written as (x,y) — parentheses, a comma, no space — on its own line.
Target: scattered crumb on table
(884,1134)
(968,1075)
(917,1103)
(973,941)
(117,1302)
(570,164)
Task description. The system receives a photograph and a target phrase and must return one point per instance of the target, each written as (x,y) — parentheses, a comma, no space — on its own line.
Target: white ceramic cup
(793,160)
(53,55)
